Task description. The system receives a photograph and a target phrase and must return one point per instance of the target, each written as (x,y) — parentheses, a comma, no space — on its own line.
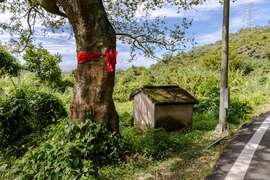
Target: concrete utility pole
(224,90)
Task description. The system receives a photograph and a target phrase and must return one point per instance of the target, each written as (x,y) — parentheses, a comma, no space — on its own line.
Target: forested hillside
(198,70)
(37,141)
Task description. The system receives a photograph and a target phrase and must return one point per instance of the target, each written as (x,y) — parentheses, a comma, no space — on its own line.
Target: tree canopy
(46,65)
(131,20)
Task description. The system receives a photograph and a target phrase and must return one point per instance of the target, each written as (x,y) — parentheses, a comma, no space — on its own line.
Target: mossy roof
(166,95)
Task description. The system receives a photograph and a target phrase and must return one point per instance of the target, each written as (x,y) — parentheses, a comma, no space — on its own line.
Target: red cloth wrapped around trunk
(110,58)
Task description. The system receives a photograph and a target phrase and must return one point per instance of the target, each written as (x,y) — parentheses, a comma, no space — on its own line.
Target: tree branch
(30,27)
(51,7)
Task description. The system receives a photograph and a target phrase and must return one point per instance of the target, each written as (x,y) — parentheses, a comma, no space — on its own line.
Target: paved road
(248,155)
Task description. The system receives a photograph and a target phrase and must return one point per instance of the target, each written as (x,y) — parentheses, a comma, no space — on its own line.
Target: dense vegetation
(24,112)
(50,148)
(8,63)
(46,67)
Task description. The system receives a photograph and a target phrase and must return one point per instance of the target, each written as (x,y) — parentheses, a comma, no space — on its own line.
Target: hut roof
(166,95)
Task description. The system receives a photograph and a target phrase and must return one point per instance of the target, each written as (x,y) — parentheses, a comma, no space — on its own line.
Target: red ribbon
(110,58)
(85,56)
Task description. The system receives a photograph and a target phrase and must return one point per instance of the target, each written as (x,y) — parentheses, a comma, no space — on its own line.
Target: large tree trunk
(93,84)
(224,90)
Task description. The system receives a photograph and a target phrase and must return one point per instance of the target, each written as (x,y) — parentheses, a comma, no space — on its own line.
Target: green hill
(198,70)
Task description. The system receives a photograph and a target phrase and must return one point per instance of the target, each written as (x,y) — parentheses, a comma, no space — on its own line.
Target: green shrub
(209,86)
(130,80)
(45,109)
(238,111)
(240,62)
(211,60)
(63,84)
(46,65)
(24,112)
(207,104)
(71,152)
(8,64)
(125,114)
(15,118)
(205,121)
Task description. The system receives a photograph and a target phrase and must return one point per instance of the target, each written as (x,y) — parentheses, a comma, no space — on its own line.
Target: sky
(206,29)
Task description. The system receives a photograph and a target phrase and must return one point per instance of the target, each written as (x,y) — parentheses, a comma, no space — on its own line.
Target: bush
(71,152)
(207,104)
(238,111)
(15,118)
(8,64)
(130,80)
(24,112)
(45,108)
(211,60)
(46,65)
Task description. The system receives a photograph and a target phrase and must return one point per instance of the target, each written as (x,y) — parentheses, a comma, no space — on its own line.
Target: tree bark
(224,90)
(93,88)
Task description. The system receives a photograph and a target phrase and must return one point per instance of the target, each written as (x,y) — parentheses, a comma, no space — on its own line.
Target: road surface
(247,157)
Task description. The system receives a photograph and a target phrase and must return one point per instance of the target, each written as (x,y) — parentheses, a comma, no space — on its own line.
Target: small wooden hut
(168,107)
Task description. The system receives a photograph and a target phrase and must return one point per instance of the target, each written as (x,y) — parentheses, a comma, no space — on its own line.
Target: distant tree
(8,63)
(46,65)
(224,90)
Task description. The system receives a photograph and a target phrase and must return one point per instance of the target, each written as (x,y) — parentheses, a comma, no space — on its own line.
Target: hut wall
(144,112)
(173,117)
